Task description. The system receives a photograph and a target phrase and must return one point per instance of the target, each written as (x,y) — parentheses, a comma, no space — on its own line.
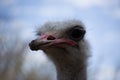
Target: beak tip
(32,46)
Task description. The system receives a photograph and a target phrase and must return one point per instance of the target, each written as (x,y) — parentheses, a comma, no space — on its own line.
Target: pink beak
(49,40)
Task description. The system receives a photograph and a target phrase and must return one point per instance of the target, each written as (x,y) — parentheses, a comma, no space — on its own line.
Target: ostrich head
(64,43)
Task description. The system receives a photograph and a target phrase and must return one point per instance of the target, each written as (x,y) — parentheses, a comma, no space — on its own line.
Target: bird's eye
(77,34)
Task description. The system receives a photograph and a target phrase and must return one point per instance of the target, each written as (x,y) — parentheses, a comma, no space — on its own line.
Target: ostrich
(63,42)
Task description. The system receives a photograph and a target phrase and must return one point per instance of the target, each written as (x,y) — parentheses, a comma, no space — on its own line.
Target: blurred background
(19,20)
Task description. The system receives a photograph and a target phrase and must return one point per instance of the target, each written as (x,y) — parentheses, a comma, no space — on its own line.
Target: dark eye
(77,34)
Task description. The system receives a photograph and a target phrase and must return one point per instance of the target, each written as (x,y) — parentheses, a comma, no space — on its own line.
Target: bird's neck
(69,66)
(71,72)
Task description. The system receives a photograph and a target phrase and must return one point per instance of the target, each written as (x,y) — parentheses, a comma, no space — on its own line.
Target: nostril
(51,38)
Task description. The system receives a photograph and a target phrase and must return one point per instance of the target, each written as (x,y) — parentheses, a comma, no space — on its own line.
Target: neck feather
(69,66)
(71,72)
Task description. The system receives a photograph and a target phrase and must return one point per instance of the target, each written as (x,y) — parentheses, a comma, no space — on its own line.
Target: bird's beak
(40,42)
(48,40)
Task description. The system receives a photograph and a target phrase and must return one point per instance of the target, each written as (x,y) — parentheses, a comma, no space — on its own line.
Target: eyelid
(80,28)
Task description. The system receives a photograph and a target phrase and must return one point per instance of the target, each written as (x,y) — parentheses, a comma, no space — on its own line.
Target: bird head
(59,35)
(64,43)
